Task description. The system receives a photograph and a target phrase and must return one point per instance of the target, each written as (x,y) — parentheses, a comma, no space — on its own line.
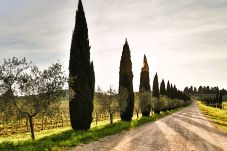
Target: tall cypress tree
(145,84)
(171,92)
(168,90)
(125,82)
(174,92)
(220,100)
(163,88)
(156,87)
(81,75)
(156,93)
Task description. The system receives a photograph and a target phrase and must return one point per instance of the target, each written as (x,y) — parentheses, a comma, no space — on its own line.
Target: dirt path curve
(186,130)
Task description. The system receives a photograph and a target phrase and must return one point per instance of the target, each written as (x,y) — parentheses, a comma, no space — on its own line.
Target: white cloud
(185,41)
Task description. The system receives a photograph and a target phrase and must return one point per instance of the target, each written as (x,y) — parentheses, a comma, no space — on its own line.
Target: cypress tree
(168,91)
(145,83)
(174,92)
(156,93)
(171,92)
(125,82)
(216,99)
(81,75)
(156,87)
(162,88)
(220,101)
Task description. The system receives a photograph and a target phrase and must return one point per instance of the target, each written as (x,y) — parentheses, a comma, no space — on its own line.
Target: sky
(185,41)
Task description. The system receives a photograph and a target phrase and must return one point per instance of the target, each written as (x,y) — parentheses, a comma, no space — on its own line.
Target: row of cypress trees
(170,91)
(215,101)
(82,78)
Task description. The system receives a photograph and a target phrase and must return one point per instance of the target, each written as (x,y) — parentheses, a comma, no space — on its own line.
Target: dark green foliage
(145,84)
(156,92)
(156,87)
(168,90)
(171,92)
(220,100)
(162,88)
(195,90)
(125,82)
(174,92)
(81,73)
(200,90)
(203,90)
(215,101)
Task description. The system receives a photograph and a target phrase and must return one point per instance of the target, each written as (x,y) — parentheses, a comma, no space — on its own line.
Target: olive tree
(108,102)
(164,103)
(123,99)
(10,74)
(41,92)
(137,107)
(146,101)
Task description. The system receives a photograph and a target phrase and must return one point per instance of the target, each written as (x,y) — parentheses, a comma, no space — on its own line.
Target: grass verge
(70,138)
(216,116)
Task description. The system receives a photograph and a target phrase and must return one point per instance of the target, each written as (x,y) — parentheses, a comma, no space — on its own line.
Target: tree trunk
(137,114)
(20,124)
(62,122)
(96,118)
(3,124)
(111,118)
(56,123)
(27,124)
(42,123)
(32,128)
(51,123)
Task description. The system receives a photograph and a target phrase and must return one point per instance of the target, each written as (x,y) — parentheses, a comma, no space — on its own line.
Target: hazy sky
(185,40)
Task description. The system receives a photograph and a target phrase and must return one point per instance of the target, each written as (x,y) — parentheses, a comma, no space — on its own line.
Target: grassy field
(67,138)
(225,104)
(216,116)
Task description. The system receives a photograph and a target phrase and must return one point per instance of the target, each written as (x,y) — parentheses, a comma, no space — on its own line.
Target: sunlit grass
(27,136)
(216,116)
(225,104)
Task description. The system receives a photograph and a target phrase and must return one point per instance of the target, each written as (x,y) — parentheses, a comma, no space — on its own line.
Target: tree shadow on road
(195,123)
(193,138)
(143,138)
(193,116)
(205,119)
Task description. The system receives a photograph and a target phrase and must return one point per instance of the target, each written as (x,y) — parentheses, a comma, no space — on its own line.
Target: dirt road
(187,130)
